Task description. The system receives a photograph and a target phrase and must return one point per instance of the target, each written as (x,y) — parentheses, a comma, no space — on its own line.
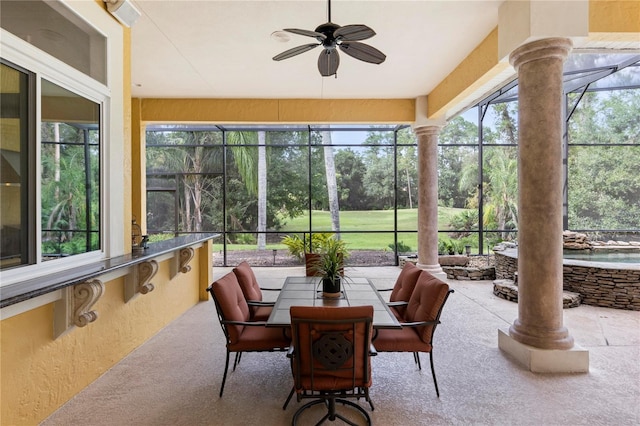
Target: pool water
(628,257)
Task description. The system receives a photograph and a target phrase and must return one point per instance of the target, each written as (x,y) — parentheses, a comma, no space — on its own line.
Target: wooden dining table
(307,291)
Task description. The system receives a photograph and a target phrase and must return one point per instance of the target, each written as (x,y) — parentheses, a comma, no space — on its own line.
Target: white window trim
(111,100)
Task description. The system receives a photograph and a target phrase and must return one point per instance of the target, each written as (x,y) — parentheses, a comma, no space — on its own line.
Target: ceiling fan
(331,37)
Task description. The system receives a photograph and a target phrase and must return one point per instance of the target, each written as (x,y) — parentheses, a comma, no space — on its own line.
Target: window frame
(110,99)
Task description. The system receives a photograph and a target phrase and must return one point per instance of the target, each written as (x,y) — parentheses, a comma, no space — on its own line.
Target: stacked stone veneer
(472,274)
(609,287)
(508,290)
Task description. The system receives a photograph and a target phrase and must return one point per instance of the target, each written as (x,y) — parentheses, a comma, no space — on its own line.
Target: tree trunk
(332,187)
(262,191)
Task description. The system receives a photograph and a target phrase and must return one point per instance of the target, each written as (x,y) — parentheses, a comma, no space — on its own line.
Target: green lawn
(378,220)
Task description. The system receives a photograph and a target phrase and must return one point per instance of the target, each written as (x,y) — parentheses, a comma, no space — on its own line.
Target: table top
(307,291)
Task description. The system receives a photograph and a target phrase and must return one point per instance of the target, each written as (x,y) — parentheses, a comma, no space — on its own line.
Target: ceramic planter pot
(331,287)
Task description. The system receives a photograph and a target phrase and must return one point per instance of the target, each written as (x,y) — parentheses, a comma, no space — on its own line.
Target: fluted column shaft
(540,318)
(428,198)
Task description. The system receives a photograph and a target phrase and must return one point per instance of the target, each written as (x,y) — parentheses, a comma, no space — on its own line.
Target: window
(51,112)
(69,172)
(14,181)
(70,177)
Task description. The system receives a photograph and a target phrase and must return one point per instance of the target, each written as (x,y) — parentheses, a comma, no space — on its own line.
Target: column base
(435,270)
(574,360)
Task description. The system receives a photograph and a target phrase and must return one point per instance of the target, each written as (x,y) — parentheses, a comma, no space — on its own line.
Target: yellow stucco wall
(480,66)
(615,17)
(278,110)
(38,374)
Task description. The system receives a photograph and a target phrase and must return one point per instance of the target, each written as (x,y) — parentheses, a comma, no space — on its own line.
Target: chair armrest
(290,352)
(270,289)
(398,303)
(248,323)
(385,289)
(419,323)
(260,303)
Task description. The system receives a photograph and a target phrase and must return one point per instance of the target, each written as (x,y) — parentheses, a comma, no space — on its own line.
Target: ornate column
(428,199)
(540,319)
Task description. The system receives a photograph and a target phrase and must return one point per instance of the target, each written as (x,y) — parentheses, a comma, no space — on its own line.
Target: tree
(332,187)
(603,192)
(457,165)
(350,169)
(262,191)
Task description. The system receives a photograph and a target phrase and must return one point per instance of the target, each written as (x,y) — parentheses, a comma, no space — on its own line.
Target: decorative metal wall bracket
(139,280)
(74,308)
(180,263)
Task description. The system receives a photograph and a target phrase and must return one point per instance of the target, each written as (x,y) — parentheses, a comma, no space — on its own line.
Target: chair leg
(224,376)
(237,360)
(416,358)
(284,407)
(433,373)
(332,414)
(366,391)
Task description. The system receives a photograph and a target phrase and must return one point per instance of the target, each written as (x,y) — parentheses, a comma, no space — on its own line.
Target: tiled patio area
(174,378)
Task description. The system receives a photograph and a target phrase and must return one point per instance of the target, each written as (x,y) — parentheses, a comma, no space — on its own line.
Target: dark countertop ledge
(29,289)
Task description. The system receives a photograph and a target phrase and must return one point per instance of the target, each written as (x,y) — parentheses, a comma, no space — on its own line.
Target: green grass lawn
(370,220)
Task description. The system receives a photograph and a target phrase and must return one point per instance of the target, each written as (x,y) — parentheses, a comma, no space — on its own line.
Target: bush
(299,246)
(402,247)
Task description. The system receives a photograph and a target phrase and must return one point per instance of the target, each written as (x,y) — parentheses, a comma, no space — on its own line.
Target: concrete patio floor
(175,377)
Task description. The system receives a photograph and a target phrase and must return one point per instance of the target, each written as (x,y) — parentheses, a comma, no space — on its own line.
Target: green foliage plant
(330,262)
(316,243)
(401,246)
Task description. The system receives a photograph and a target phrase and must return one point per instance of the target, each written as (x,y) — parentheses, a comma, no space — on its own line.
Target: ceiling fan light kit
(333,37)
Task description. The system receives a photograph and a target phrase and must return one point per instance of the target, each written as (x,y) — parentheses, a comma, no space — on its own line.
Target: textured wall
(39,374)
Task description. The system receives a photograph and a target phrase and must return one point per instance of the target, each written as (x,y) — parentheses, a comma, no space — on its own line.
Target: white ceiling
(223,49)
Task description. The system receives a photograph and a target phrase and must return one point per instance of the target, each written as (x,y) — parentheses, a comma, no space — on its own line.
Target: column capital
(546,48)
(429,129)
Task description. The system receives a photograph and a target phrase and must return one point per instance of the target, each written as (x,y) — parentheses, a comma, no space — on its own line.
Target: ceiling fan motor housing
(327,29)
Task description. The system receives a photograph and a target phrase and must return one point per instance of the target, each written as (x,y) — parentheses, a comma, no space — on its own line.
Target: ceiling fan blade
(306,33)
(328,62)
(354,33)
(295,51)
(363,52)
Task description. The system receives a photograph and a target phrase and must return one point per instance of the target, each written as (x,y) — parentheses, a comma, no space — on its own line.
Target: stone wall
(506,266)
(610,287)
(473,274)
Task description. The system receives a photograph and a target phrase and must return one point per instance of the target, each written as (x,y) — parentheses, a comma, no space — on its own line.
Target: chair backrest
(426,303)
(405,283)
(230,305)
(331,347)
(248,282)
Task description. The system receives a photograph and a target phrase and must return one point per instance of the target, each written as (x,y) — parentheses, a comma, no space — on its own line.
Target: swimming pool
(611,257)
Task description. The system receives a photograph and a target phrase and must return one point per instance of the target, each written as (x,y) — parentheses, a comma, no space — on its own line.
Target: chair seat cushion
(402,340)
(260,338)
(260,313)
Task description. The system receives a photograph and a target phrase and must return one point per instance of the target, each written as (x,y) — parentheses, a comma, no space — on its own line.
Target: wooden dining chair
(259,309)
(419,322)
(242,334)
(331,357)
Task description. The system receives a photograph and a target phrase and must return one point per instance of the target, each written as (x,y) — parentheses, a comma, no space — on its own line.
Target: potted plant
(308,249)
(329,265)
